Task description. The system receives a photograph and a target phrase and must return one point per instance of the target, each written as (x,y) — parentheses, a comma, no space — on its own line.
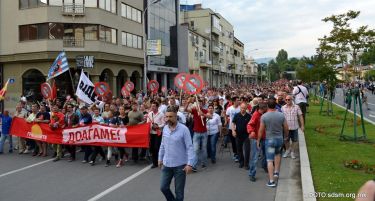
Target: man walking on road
(176,156)
(292,114)
(300,93)
(239,131)
(274,123)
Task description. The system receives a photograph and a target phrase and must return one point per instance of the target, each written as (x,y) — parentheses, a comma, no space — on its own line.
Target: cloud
(271,25)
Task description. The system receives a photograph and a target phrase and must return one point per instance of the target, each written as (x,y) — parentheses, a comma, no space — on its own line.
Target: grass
(327,153)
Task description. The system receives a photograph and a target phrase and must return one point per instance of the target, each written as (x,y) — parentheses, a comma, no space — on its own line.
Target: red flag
(54,91)
(4,91)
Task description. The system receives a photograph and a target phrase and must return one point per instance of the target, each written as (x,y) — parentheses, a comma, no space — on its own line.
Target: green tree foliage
(343,40)
(368,57)
(370,75)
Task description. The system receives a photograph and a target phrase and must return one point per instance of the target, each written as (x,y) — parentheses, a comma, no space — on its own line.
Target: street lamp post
(145,38)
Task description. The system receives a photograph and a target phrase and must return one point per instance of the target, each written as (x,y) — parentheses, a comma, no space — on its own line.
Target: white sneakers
(292,154)
(286,154)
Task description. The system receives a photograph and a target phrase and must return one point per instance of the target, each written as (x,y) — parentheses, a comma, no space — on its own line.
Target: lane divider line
(121,183)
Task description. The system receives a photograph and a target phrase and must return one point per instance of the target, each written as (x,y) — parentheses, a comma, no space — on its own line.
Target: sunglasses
(288,99)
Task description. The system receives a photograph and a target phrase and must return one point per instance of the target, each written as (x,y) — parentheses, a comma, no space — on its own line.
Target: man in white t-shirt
(300,93)
(231,112)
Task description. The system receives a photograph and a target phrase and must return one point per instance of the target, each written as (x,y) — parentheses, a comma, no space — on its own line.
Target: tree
(282,56)
(370,75)
(273,71)
(343,40)
(368,57)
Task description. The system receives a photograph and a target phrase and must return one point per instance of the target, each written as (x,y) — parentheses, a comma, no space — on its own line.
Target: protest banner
(92,134)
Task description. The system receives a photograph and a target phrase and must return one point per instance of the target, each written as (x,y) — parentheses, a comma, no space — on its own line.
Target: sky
(266,26)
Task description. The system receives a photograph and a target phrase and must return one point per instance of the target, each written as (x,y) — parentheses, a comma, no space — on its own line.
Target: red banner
(93,134)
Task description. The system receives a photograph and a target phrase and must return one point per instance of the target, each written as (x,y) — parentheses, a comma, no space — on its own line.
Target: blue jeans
(273,147)
(179,179)
(211,145)
(254,156)
(2,142)
(200,148)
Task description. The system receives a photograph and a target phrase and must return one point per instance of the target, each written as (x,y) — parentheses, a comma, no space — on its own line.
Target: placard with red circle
(194,84)
(129,85)
(124,91)
(46,90)
(153,86)
(102,89)
(180,80)
(164,89)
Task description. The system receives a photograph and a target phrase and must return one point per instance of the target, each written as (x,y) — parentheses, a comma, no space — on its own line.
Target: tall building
(106,34)
(225,52)
(162,24)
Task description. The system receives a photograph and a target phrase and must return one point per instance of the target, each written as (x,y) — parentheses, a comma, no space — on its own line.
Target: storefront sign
(85,61)
(153,47)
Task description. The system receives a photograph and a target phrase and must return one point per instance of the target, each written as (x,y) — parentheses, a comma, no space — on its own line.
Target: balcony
(204,63)
(215,49)
(72,42)
(73,9)
(215,31)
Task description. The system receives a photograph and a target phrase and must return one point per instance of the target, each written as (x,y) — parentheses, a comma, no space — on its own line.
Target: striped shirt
(291,115)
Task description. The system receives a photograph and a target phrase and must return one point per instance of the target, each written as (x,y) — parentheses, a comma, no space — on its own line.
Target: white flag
(85,90)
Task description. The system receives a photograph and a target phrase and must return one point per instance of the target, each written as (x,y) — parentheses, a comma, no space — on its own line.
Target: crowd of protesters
(255,121)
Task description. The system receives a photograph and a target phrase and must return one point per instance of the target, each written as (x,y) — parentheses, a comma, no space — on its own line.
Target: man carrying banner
(57,121)
(71,120)
(136,117)
(84,120)
(176,156)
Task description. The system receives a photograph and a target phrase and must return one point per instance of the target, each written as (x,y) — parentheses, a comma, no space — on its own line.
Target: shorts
(273,147)
(293,134)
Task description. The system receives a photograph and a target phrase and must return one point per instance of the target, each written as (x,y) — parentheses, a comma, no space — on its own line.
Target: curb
(308,190)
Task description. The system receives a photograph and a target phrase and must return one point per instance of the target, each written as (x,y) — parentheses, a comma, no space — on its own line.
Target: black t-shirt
(218,110)
(123,120)
(241,123)
(43,116)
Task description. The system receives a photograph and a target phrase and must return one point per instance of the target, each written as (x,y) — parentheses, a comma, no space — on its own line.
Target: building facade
(162,24)
(251,71)
(109,31)
(226,58)
(196,59)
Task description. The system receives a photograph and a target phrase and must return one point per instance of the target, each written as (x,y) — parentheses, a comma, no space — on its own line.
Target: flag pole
(71,78)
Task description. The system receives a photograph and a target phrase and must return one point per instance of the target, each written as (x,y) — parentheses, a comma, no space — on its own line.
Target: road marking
(25,168)
(30,166)
(358,115)
(121,183)
(371,104)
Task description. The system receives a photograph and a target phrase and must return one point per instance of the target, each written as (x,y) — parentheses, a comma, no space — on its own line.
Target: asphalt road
(23,177)
(370,114)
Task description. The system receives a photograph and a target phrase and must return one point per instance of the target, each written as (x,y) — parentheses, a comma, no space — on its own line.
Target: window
(108,34)
(108,5)
(123,38)
(114,36)
(91,3)
(91,32)
(131,40)
(139,16)
(33,32)
(56,31)
(55,2)
(216,23)
(128,12)
(196,53)
(131,13)
(140,42)
(23,4)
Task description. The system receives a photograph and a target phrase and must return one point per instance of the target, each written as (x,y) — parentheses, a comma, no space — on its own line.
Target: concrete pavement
(35,178)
